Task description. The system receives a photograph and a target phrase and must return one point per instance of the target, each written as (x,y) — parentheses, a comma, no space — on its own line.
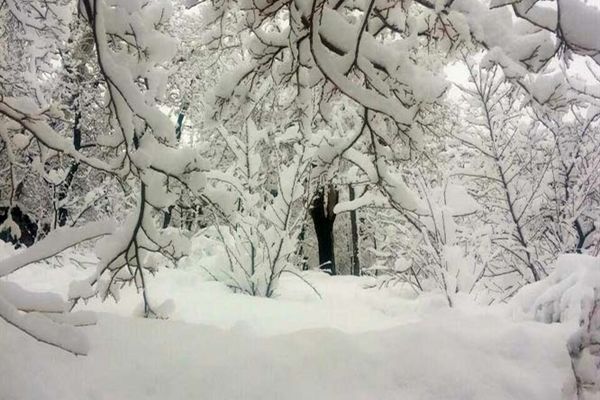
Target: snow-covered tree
(259,214)
(138,150)
(508,165)
(571,215)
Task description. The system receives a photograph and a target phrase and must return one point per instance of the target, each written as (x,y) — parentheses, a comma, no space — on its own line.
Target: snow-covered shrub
(431,252)
(571,295)
(572,205)
(259,204)
(506,165)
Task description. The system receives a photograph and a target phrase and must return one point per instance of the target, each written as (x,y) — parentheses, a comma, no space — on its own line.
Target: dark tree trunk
(354,234)
(301,238)
(168,214)
(323,218)
(582,235)
(180,118)
(62,213)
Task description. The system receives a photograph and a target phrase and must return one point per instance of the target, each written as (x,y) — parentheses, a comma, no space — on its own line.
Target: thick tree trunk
(323,218)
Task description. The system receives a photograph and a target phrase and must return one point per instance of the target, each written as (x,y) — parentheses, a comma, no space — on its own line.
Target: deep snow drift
(354,343)
(450,358)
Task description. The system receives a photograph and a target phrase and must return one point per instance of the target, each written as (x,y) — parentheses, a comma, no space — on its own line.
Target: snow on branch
(54,243)
(14,109)
(30,301)
(43,315)
(135,71)
(44,329)
(566,295)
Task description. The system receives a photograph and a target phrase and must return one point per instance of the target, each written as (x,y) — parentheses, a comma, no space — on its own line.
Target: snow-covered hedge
(571,295)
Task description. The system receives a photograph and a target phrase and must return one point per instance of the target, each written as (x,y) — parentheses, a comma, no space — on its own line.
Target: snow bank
(355,342)
(564,295)
(571,295)
(345,305)
(451,358)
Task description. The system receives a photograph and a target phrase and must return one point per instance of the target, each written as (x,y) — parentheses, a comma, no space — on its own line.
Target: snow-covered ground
(357,342)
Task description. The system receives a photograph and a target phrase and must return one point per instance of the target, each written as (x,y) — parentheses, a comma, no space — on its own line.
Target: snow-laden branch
(43,329)
(30,301)
(54,243)
(45,134)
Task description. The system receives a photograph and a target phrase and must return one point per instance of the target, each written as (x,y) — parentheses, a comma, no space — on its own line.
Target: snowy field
(356,342)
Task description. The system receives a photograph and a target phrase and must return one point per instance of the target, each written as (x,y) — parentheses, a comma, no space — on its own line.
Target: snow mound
(452,358)
(571,295)
(565,294)
(352,342)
